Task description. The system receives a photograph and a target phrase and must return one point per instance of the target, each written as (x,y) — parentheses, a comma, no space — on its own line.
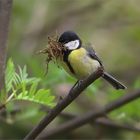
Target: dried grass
(53,51)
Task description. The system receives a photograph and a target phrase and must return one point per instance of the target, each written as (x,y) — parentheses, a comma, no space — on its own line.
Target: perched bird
(80,61)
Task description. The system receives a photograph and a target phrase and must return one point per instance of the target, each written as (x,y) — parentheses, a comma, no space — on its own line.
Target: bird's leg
(60,98)
(78,83)
(74,86)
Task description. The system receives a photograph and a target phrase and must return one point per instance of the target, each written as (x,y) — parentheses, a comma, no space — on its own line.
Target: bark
(5,10)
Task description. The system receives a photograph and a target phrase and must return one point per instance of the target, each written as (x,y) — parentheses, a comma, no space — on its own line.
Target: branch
(92,115)
(5,9)
(99,121)
(75,92)
(107,122)
(64,128)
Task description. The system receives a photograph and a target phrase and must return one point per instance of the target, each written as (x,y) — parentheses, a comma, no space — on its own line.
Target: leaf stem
(10,97)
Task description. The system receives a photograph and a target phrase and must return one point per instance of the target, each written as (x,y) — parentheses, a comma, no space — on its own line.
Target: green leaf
(10,75)
(23,87)
(42,96)
(33,89)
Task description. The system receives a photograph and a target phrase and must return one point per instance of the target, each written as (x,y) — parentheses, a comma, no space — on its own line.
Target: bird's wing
(92,53)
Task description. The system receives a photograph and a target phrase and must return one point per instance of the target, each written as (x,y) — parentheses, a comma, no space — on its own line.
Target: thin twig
(92,115)
(63,104)
(102,121)
(61,129)
(5,9)
(107,122)
(99,121)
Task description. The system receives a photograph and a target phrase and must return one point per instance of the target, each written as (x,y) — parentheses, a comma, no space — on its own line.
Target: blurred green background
(113,26)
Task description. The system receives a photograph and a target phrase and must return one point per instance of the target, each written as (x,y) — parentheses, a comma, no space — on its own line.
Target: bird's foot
(78,83)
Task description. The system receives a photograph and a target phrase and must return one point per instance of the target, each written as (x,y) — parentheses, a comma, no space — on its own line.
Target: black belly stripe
(65,59)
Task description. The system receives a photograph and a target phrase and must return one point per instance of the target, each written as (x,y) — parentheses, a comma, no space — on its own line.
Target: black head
(70,40)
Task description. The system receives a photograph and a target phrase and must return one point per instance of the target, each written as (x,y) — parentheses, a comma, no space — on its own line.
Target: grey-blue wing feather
(92,53)
(114,82)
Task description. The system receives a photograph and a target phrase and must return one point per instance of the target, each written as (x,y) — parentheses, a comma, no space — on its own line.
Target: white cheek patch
(72,45)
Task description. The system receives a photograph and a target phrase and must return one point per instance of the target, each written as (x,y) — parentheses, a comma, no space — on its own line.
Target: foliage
(20,87)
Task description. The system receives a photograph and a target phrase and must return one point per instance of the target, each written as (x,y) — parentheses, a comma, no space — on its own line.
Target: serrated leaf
(33,89)
(10,75)
(24,88)
(42,96)
(23,73)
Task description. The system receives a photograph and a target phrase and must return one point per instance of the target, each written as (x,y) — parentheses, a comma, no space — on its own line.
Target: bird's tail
(114,82)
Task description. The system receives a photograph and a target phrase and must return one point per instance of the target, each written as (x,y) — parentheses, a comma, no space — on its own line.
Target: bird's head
(70,40)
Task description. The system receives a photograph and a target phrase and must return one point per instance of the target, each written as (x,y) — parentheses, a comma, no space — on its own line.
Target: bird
(80,61)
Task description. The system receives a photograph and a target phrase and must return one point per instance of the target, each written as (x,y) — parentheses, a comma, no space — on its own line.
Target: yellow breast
(82,64)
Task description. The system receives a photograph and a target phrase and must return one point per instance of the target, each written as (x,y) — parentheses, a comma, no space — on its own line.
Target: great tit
(80,61)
